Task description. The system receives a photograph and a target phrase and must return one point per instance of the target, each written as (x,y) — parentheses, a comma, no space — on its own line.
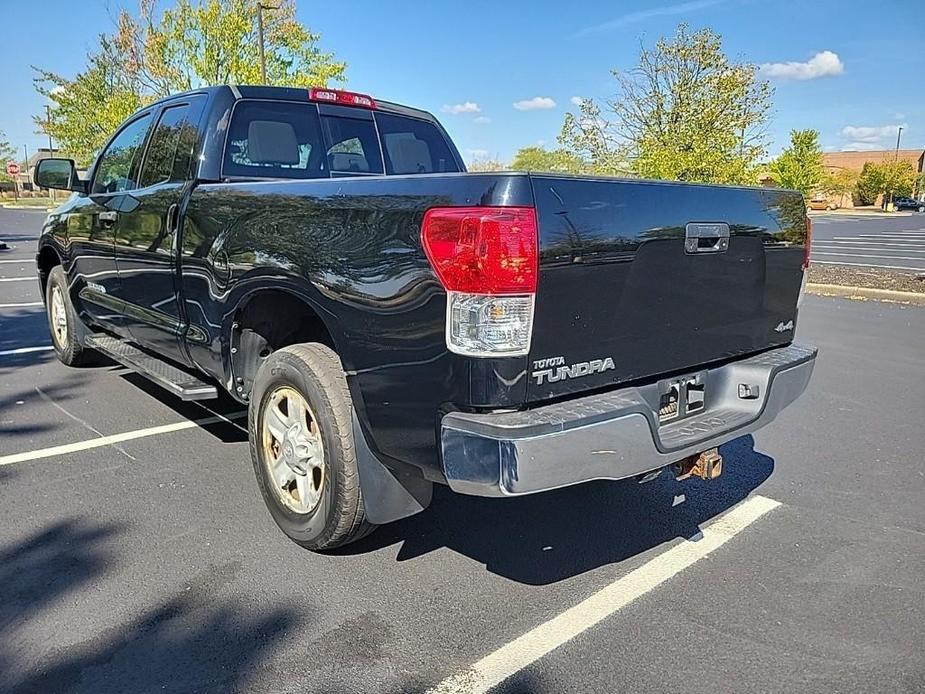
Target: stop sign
(12,168)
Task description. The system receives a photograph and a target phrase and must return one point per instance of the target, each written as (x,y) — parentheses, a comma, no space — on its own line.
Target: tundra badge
(554,369)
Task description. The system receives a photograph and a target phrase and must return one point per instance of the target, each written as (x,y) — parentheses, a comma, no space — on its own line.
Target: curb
(38,208)
(890,295)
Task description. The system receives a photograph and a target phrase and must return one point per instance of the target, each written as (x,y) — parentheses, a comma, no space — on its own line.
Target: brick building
(854,161)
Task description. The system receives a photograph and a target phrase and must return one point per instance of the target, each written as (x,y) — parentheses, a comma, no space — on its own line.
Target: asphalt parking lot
(866,240)
(136,554)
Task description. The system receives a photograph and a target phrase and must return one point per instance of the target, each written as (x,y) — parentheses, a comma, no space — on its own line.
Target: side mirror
(60,174)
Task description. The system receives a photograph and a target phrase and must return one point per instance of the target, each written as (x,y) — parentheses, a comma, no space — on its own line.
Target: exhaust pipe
(707,466)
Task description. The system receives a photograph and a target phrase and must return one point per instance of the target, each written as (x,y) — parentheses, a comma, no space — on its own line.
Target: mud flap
(388,495)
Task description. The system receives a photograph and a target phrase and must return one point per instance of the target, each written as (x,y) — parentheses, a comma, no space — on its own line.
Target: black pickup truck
(392,321)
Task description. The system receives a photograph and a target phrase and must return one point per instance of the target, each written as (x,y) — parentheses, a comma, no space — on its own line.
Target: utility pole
(25,151)
(51,191)
(263,59)
(899,134)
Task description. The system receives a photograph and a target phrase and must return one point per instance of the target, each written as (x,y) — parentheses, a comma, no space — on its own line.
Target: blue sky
(500,75)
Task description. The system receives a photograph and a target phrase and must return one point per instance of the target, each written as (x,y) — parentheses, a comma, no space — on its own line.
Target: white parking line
(114,438)
(538,642)
(25,350)
(30,278)
(871,243)
(23,261)
(27,304)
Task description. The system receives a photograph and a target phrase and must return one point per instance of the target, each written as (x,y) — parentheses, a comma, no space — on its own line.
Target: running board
(175,380)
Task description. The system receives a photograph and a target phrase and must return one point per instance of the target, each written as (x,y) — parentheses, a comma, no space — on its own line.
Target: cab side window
(161,162)
(115,165)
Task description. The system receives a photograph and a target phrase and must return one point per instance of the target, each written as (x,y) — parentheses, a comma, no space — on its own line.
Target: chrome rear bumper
(615,435)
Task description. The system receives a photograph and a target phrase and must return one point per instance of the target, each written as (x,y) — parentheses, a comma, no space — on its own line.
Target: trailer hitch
(707,466)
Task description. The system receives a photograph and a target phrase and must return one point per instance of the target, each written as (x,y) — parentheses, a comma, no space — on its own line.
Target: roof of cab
(250,91)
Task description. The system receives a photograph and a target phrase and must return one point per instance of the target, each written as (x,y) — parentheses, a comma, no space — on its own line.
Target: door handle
(109,216)
(706,237)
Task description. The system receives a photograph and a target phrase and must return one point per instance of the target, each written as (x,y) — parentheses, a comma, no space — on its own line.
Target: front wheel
(301,437)
(63,321)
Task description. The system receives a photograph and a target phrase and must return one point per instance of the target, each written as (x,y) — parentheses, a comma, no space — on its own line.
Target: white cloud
(642,15)
(465,107)
(481,119)
(824,64)
(870,134)
(537,102)
(477,153)
(576,100)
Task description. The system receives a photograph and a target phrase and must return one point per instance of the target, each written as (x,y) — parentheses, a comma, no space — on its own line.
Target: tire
(63,321)
(317,510)
(921,209)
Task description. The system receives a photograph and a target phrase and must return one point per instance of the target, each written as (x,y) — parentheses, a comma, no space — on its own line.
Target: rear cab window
(287,139)
(413,146)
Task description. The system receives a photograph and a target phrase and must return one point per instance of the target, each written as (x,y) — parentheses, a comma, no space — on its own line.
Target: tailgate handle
(706,237)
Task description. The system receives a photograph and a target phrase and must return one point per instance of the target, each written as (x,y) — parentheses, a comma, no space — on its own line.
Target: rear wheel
(302,447)
(63,321)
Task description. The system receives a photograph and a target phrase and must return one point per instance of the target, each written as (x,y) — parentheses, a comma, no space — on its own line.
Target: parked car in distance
(822,203)
(904,202)
(392,322)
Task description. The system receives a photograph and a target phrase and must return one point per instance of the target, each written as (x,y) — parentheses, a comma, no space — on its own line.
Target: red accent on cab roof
(340,97)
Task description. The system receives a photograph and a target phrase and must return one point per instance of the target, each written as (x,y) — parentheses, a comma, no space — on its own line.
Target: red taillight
(337,96)
(808,243)
(482,250)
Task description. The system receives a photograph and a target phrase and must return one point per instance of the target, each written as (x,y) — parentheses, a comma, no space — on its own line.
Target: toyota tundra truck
(391,321)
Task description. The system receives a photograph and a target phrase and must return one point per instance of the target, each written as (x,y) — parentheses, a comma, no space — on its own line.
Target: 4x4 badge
(784,327)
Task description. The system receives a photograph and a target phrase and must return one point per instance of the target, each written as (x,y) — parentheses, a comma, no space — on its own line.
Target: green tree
(205,42)
(192,44)
(542,159)
(840,182)
(7,153)
(486,164)
(799,166)
(87,109)
(685,112)
(884,178)
(590,138)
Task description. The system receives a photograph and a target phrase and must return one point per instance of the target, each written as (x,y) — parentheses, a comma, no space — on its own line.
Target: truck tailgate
(640,279)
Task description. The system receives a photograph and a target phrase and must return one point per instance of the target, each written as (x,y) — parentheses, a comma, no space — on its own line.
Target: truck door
(92,227)
(145,238)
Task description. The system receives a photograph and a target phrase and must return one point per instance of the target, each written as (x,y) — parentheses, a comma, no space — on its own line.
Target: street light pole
(899,134)
(263,59)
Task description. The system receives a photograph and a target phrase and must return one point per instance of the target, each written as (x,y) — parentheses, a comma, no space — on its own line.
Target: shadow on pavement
(23,327)
(224,405)
(11,362)
(544,538)
(199,640)
(9,402)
